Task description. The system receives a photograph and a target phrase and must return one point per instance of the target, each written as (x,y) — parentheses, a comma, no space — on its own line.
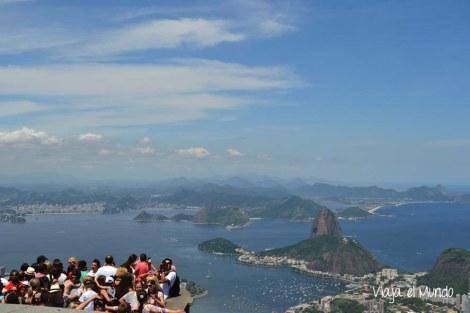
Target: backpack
(175,289)
(56,299)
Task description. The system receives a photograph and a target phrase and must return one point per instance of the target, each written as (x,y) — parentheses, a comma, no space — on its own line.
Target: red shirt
(141,268)
(9,287)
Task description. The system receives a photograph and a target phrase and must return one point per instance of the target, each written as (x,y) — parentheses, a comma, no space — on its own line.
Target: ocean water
(410,238)
(413,235)
(232,287)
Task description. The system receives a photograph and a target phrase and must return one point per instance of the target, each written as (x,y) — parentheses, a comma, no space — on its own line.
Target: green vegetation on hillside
(292,208)
(193,288)
(222,216)
(330,254)
(416,304)
(309,310)
(346,306)
(145,217)
(353,212)
(182,217)
(219,245)
(452,268)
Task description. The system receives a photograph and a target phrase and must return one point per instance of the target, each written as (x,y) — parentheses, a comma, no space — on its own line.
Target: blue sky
(353,91)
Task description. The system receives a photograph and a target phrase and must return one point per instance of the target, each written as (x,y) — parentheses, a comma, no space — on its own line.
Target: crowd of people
(135,286)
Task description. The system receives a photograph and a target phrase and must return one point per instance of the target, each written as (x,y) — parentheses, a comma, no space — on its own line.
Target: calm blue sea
(409,239)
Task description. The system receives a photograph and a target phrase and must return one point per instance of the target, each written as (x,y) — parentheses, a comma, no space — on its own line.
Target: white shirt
(171,277)
(106,270)
(62,278)
(131,299)
(87,295)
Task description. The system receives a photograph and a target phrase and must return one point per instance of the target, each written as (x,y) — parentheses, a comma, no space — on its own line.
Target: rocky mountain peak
(326,223)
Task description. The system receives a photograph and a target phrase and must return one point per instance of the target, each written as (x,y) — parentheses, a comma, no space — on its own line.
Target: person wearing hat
(26,275)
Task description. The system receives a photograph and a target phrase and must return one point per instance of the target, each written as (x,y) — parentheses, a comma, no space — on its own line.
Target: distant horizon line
(59,179)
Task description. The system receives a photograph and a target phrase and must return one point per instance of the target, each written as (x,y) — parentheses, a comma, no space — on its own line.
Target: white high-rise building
(465,307)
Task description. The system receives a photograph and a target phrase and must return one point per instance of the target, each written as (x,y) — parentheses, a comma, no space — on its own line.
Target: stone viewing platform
(19,308)
(182,302)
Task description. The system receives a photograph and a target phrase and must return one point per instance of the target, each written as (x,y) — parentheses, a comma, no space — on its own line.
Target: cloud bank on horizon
(351,92)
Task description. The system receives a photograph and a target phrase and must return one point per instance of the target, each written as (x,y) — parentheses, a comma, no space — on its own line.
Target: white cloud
(273,27)
(9,108)
(161,34)
(183,76)
(145,141)
(196,152)
(234,152)
(139,94)
(23,40)
(146,150)
(27,135)
(90,137)
(105,152)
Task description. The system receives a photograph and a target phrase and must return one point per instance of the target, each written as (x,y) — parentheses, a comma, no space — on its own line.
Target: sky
(363,92)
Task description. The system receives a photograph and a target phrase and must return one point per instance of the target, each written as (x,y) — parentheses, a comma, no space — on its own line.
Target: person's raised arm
(161,300)
(105,295)
(82,305)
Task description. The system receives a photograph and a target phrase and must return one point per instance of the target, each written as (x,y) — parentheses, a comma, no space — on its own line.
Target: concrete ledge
(183,302)
(18,308)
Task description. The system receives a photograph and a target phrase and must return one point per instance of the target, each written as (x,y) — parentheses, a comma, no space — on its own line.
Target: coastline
(205,293)
(374,209)
(250,258)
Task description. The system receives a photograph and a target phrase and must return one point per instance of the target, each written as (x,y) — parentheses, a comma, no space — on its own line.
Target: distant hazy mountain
(423,193)
(221,216)
(292,208)
(214,195)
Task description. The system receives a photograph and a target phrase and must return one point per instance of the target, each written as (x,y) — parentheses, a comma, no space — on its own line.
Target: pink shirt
(140,269)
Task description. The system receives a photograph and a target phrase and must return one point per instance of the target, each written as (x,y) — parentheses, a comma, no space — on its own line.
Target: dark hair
(101,279)
(82,265)
(130,260)
(97,262)
(42,268)
(14,276)
(126,282)
(41,259)
(99,303)
(58,265)
(76,273)
(143,257)
(109,259)
(24,267)
(12,298)
(55,272)
(124,308)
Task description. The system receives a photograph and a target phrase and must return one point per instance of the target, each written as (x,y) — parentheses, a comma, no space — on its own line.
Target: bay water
(409,237)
